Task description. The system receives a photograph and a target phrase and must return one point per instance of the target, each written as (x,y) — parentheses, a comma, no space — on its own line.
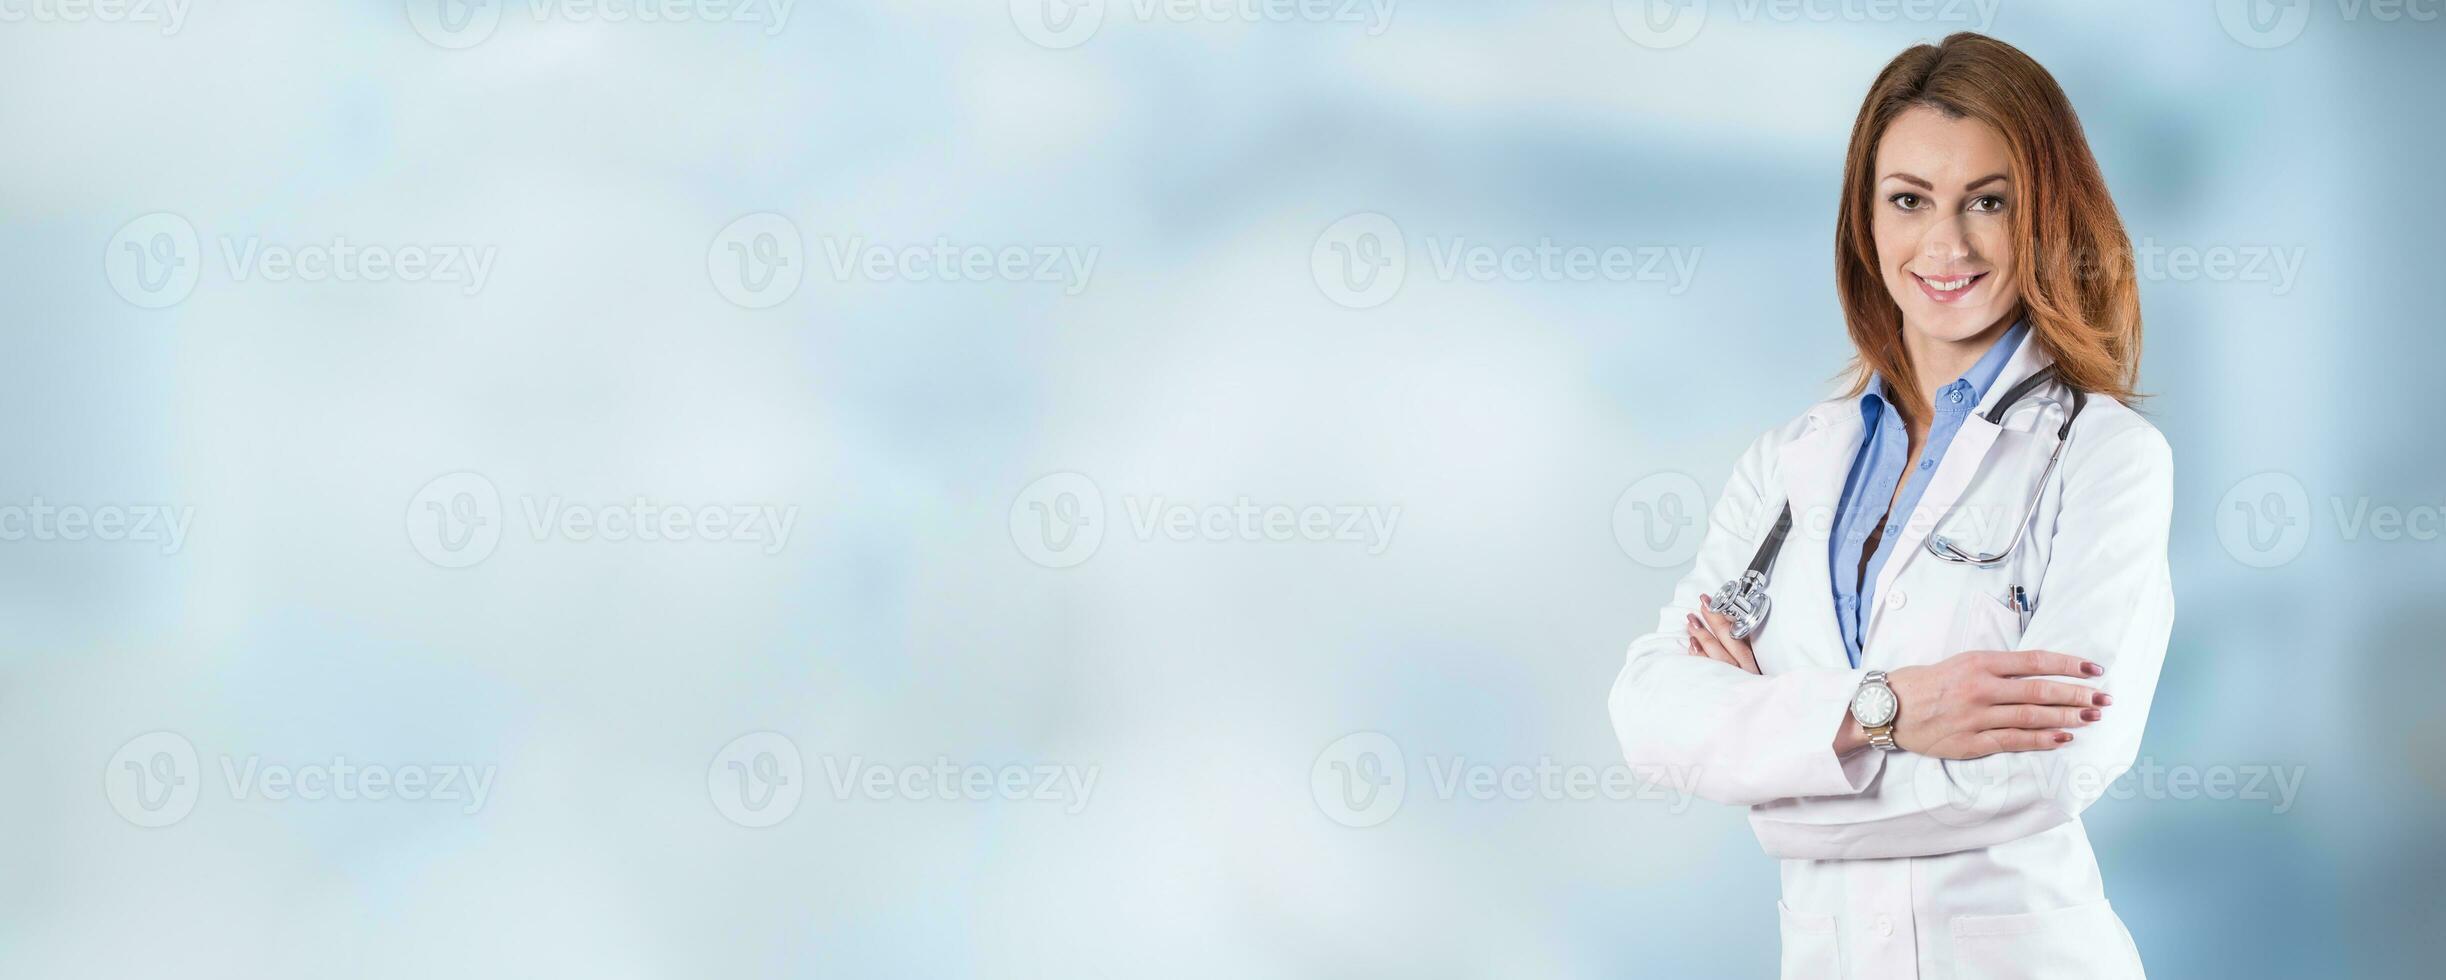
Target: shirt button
(1954,397)
(1885,926)
(1896,599)
(1927,464)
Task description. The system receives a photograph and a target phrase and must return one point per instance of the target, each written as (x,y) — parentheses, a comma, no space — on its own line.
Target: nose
(1945,242)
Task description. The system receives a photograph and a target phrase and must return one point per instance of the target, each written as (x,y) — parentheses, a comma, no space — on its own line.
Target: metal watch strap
(1882,736)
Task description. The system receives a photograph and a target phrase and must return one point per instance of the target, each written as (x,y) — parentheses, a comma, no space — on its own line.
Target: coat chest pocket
(1984,620)
(1810,948)
(2085,941)
(1983,617)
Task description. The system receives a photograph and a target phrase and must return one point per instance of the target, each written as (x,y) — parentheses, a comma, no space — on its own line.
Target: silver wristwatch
(1875,708)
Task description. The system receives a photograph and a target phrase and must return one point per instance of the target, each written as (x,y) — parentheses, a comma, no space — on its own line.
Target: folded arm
(1735,736)
(2107,598)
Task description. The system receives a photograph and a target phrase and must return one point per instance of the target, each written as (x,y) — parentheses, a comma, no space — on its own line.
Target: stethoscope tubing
(1747,595)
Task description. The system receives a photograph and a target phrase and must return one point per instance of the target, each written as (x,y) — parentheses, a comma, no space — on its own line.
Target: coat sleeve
(1734,736)
(2107,596)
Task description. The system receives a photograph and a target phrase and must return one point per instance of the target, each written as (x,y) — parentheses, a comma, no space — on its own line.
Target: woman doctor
(1916,732)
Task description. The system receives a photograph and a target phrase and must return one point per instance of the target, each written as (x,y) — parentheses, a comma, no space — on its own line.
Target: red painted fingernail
(2091,714)
(2092,670)
(1706,601)
(2104,699)
(2062,737)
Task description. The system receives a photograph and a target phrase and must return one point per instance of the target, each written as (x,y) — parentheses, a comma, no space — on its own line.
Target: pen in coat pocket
(2020,601)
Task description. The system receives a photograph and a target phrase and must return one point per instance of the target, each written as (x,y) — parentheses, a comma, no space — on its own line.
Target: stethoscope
(1744,600)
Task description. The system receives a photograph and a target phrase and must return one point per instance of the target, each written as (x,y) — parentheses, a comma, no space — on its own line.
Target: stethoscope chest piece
(1744,601)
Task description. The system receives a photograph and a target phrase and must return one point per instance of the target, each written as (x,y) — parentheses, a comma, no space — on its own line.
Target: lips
(1948,290)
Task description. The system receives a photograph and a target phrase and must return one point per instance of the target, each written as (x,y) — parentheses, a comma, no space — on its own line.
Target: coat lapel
(1811,469)
(1961,462)
(1963,459)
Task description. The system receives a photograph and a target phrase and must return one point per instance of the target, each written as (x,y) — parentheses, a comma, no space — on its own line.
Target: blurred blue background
(1093,413)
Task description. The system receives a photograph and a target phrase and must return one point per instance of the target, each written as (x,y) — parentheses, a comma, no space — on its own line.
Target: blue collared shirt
(1880,466)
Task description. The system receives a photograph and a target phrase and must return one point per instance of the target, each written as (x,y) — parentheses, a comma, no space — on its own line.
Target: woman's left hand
(1712,637)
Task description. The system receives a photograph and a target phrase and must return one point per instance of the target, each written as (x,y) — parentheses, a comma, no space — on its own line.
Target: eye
(1906,201)
(1987,204)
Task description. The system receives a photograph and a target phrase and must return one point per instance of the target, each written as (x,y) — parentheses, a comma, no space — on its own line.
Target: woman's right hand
(1981,702)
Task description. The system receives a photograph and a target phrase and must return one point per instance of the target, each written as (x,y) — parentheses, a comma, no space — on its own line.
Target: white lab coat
(1897,864)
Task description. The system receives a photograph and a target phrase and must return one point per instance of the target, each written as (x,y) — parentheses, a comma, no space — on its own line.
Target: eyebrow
(1922,183)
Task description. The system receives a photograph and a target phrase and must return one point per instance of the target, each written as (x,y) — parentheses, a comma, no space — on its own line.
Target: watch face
(1873,706)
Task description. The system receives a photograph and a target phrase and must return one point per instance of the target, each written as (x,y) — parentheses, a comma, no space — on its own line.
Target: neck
(1938,362)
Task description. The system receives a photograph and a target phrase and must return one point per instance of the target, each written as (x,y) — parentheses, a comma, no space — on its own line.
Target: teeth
(1949,285)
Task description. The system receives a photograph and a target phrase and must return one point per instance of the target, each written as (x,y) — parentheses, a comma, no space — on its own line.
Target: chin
(1950,326)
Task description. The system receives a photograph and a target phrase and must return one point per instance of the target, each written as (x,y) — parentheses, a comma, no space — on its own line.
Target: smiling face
(1944,231)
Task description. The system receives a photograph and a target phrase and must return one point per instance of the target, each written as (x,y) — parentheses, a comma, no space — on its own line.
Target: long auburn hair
(2072,261)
